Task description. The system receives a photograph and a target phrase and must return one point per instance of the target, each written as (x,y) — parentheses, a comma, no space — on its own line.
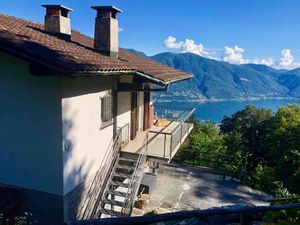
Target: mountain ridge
(217,80)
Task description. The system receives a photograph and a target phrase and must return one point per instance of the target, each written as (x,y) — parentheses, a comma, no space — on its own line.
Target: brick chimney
(106,39)
(57,20)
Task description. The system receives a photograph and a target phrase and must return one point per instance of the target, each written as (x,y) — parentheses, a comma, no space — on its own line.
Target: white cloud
(120,29)
(188,45)
(170,42)
(214,58)
(233,55)
(287,58)
(267,62)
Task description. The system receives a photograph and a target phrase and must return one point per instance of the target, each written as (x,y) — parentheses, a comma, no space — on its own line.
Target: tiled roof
(76,56)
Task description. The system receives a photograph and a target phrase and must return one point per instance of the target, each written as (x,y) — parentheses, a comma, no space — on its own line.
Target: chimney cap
(62,7)
(107,8)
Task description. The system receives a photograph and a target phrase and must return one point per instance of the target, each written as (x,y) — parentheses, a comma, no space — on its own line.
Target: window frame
(106,117)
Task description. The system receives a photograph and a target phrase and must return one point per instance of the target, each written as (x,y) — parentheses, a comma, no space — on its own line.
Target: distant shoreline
(227,100)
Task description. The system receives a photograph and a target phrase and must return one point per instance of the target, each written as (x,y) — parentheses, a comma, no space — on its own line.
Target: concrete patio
(177,188)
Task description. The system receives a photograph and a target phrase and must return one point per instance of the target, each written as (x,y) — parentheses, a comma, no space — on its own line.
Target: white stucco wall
(123,109)
(30,128)
(84,143)
(124,104)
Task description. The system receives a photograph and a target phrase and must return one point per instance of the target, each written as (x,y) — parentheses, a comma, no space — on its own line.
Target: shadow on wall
(75,173)
(28,47)
(124,103)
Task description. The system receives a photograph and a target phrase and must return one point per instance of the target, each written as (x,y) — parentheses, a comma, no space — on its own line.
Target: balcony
(172,126)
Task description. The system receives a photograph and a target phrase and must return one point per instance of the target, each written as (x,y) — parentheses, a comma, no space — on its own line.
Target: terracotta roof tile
(29,40)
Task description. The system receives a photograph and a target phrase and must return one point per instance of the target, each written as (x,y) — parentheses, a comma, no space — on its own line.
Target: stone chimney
(106,39)
(57,20)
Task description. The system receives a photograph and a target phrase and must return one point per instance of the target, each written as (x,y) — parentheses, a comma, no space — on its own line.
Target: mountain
(291,79)
(137,52)
(217,80)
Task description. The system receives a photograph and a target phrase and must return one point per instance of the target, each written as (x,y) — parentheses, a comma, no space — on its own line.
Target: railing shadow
(91,203)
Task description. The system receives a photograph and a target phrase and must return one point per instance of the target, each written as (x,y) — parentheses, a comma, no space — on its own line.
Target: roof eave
(71,73)
(103,72)
(61,70)
(160,81)
(151,78)
(120,72)
(180,79)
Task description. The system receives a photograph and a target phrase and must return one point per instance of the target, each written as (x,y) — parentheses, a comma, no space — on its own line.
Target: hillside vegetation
(255,145)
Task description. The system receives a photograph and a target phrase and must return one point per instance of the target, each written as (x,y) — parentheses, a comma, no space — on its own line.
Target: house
(77,115)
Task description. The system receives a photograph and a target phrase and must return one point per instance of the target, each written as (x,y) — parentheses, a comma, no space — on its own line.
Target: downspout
(115,106)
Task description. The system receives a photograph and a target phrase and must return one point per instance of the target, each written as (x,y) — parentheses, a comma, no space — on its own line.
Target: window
(106,111)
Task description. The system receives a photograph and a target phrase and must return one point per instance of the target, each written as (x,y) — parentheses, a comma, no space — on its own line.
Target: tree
(204,143)
(244,132)
(266,144)
(282,140)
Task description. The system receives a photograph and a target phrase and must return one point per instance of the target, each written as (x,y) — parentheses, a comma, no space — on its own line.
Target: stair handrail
(97,188)
(136,179)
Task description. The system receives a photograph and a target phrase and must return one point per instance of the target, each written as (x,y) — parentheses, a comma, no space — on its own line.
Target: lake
(215,111)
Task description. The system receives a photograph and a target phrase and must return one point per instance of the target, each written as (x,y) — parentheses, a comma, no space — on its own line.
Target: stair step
(122,158)
(121,166)
(113,202)
(110,212)
(118,193)
(120,184)
(123,175)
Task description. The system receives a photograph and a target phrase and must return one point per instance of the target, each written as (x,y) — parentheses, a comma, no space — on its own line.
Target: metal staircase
(118,187)
(116,184)
(123,185)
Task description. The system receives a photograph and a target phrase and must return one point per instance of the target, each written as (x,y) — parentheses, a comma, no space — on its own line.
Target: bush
(283,217)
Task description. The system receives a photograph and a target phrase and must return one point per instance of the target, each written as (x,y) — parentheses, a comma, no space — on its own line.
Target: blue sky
(237,31)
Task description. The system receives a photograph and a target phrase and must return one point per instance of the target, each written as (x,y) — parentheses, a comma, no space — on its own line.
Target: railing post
(165,143)
(136,179)
(217,162)
(171,146)
(181,132)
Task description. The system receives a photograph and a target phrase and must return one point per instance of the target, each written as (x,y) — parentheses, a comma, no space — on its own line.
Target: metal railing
(173,113)
(99,184)
(220,162)
(171,140)
(241,214)
(135,181)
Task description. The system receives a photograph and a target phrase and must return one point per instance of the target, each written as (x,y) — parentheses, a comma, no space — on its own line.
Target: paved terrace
(163,142)
(159,144)
(185,188)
